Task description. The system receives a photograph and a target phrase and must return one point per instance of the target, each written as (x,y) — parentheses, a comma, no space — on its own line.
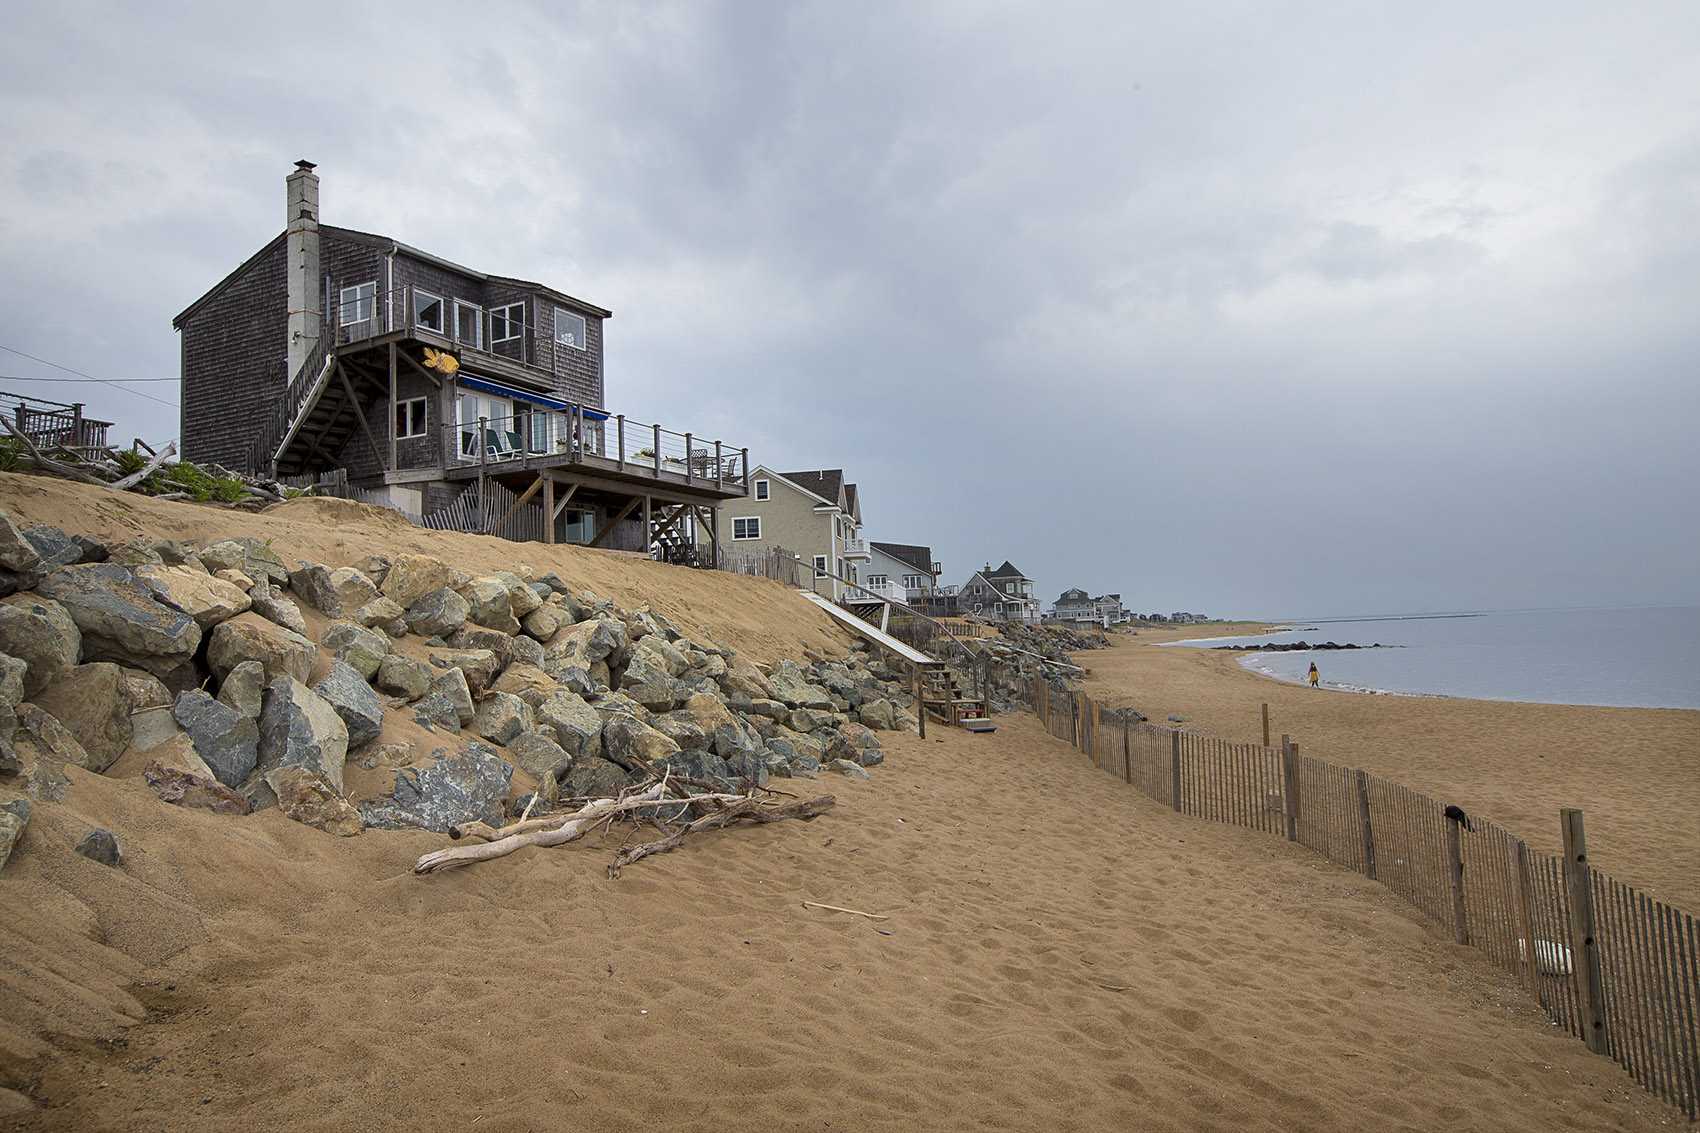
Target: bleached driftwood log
(556,831)
(135,478)
(754,809)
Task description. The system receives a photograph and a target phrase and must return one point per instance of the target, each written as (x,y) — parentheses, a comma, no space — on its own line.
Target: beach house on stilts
(464,400)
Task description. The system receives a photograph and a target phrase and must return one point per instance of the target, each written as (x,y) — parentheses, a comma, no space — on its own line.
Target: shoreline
(1634,772)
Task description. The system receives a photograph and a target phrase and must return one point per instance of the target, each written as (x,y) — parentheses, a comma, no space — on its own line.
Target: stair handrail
(264,447)
(908,609)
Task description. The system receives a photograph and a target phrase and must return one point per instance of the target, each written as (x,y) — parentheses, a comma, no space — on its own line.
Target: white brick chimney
(305,316)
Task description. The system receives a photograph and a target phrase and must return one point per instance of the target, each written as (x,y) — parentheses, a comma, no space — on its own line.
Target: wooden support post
(921,699)
(719,479)
(1526,922)
(393,403)
(1455,879)
(1290,786)
(616,521)
(354,404)
(483,458)
(648,513)
(655,451)
(548,507)
(1363,823)
(1266,725)
(620,433)
(985,689)
(1175,767)
(1584,946)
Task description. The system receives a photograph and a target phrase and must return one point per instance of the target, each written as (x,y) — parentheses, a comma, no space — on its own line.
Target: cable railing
(578,432)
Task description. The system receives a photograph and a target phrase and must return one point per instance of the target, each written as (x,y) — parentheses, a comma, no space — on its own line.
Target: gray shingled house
(474,401)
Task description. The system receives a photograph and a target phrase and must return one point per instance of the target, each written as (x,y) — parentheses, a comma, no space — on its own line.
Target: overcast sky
(1257,310)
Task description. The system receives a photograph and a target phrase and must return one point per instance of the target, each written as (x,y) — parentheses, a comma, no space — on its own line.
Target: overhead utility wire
(89,377)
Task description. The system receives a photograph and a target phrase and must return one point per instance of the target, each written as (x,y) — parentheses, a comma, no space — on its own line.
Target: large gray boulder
(502,716)
(584,644)
(468,786)
(489,605)
(271,603)
(452,687)
(624,737)
(244,689)
(437,613)
(226,740)
(593,778)
(334,593)
(649,683)
(403,676)
(42,634)
(297,729)
(16,553)
(411,577)
(540,756)
(248,555)
(363,649)
(355,701)
(207,599)
(122,621)
(250,637)
(93,701)
(577,726)
(479,665)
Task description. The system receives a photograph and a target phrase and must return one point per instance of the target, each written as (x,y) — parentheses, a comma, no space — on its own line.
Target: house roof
(823,482)
(916,556)
(375,240)
(1008,570)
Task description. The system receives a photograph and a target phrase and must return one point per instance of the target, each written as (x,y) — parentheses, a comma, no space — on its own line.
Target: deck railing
(578,432)
(54,425)
(1606,962)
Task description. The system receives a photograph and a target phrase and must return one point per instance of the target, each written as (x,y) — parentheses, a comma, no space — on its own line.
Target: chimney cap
(304,166)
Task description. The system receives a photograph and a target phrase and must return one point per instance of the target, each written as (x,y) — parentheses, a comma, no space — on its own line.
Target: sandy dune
(1060,953)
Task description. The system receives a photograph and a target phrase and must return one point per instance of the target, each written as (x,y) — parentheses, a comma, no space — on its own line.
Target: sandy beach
(1634,772)
(1056,951)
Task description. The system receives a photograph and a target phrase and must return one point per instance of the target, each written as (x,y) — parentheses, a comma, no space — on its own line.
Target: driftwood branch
(748,807)
(135,478)
(556,831)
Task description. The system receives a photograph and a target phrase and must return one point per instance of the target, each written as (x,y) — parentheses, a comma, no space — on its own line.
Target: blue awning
(526,396)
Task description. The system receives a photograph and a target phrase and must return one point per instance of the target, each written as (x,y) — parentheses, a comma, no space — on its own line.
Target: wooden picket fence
(1608,963)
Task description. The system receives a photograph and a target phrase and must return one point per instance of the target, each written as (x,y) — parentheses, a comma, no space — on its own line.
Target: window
(357,303)
(507,323)
(761,489)
(746,527)
(469,322)
(820,566)
(569,329)
(501,430)
(410,418)
(914,581)
(428,311)
(876,582)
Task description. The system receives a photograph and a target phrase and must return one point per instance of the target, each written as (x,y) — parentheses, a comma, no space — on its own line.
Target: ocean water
(1641,658)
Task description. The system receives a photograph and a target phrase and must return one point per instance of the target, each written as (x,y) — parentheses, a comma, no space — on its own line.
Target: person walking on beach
(1315,677)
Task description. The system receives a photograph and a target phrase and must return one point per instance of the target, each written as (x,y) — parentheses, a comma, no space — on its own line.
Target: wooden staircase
(943,698)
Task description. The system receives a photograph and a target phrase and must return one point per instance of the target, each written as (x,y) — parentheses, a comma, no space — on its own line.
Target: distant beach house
(436,389)
(1076,606)
(814,515)
(909,567)
(1004,594)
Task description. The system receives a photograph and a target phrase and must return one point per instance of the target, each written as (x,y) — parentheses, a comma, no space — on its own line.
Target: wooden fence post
(1584,947)
(1290,787)
(1266,724)
(1455,879)
(1526,923)
(1175,766)
(1363,824)
(1127,747)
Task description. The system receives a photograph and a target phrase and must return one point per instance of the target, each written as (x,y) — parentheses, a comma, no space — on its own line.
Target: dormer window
(761,490)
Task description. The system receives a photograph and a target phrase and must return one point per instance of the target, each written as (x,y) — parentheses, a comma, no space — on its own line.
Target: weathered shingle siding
(579,372)
(234,358)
